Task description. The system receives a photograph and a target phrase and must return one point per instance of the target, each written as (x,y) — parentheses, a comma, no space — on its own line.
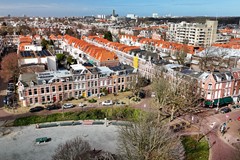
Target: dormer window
(31,84)
(44,82)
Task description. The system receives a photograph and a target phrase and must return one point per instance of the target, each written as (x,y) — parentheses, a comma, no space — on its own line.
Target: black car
(52,107)
(225,110)
(36,109)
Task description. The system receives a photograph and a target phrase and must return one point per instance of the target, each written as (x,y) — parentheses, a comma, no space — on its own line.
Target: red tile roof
(97,53)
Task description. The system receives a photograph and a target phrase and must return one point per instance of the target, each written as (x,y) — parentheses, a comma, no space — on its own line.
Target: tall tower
(113,13)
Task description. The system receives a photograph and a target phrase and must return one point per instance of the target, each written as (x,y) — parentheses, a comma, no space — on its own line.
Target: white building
(155,15)
(195,34)
(131,16)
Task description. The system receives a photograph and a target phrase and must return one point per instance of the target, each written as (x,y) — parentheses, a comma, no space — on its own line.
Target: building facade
(55,86)
(195,34)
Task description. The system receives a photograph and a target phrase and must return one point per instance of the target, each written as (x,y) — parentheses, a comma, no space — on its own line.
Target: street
(220,146)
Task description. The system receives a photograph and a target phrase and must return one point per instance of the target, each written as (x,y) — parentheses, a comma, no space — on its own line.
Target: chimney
(149,58)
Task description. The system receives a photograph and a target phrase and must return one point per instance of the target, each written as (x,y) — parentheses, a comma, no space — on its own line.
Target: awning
(228,100)
(208,103)
(219,101)
(223,101)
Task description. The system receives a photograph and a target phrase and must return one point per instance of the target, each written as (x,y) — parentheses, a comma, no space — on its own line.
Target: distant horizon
(141,8)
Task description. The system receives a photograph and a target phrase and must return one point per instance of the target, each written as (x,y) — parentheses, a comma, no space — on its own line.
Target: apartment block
(195,34)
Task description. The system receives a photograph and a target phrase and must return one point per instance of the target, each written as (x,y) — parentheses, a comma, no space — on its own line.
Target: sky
(61,8)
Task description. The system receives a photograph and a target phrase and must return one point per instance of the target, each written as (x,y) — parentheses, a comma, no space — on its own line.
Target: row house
(217,87)
(84,51)
(55,86)
(144,62)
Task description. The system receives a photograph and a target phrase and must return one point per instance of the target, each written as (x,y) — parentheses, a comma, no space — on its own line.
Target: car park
(225,110)
(53,107)
(67,105)
(107,103)
(36,109)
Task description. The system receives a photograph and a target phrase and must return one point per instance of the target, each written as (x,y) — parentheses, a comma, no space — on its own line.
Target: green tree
(70,60)
(108,36)
(60,56)
(44,43)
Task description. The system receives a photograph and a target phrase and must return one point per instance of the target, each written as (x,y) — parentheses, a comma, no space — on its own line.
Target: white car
(67,105)
(107,103)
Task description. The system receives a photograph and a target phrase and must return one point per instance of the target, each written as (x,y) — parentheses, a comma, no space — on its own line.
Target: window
(65,87)
(96,91)
(29,92)
(92,84)
(122,79)
(209,86)
(48,98)
(95,83)
(47,89)
(35,91)
(92,91)
(42,90)
(30,100)
(43,99)
(59,88)
(53,89)
(70,86)
(36,100)
(118,80)
(88,84)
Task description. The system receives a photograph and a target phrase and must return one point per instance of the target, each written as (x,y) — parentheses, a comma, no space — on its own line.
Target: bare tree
(176,95)
(10,67)
(137,83)
(213,58)
(147,139)
(78,149)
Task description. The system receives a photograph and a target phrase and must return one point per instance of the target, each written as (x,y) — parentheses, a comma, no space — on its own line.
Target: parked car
(36,109)
(67,105)
(107,103)
(82,105)
(120,103)
(9,99)
(236,107)
(225,110)
(52,107)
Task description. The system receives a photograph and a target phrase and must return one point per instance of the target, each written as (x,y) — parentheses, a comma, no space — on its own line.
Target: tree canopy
(9,67)
(108,36)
